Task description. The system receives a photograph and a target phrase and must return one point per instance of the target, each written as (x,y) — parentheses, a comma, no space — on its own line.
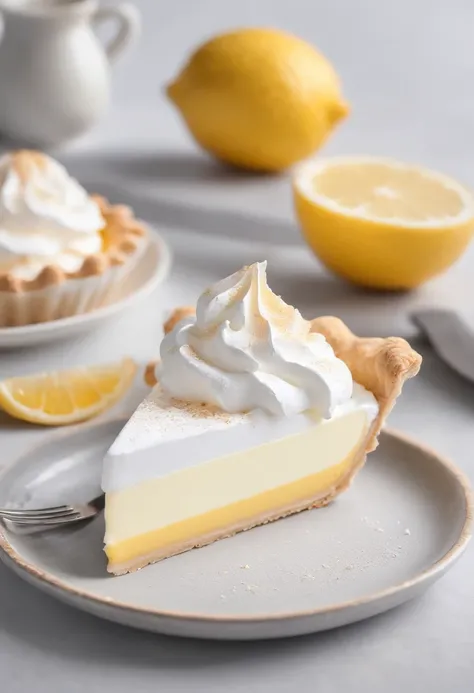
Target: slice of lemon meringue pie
(256,414)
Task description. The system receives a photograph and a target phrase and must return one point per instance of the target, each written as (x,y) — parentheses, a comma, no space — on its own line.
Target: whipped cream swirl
(246,349)
(46,217)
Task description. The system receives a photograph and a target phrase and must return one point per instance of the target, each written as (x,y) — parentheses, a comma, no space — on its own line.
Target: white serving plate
(151,271)
(403,523)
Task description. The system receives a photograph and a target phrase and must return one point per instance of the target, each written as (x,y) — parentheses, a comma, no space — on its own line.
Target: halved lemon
(381,223)
(66,397)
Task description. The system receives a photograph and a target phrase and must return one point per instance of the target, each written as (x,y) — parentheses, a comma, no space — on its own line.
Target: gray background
(408,69)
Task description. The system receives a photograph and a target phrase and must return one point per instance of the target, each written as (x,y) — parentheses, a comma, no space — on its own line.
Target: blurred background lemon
(381,223)
(260,99)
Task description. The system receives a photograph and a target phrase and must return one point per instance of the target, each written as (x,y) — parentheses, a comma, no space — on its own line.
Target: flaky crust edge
(122,233)
(381,365)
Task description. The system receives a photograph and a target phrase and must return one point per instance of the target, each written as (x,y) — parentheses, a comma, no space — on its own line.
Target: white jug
(54,72)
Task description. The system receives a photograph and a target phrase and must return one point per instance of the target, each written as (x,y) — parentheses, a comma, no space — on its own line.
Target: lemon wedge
(66,397)
(381,223)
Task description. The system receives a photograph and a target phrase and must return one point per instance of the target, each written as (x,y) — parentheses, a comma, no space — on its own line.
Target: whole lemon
(258,98)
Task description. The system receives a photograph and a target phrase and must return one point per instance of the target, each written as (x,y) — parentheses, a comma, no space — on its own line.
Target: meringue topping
(247,349)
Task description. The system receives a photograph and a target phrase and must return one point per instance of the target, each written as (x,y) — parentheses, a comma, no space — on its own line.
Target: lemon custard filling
(245,460)
(236,491)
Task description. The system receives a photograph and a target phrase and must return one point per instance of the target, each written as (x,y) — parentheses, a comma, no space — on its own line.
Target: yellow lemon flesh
(66,397)
(380,223)
(258,98)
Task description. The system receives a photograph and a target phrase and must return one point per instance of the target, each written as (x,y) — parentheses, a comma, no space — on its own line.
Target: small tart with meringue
(62,251)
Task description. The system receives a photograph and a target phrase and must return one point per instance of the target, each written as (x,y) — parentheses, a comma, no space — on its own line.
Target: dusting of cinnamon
(200,410)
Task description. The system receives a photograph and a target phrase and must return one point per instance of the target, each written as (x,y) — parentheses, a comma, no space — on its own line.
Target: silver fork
(54,516)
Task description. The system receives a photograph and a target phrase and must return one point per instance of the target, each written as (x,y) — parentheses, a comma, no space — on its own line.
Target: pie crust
(122,235)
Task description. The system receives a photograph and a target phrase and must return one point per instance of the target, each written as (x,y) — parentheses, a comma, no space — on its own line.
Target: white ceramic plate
(398,529)
(152,270)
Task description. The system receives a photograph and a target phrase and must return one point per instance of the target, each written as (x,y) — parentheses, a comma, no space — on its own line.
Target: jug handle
(129,25)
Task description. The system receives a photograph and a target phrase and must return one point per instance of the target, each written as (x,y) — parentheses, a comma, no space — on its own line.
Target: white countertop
(407,67)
